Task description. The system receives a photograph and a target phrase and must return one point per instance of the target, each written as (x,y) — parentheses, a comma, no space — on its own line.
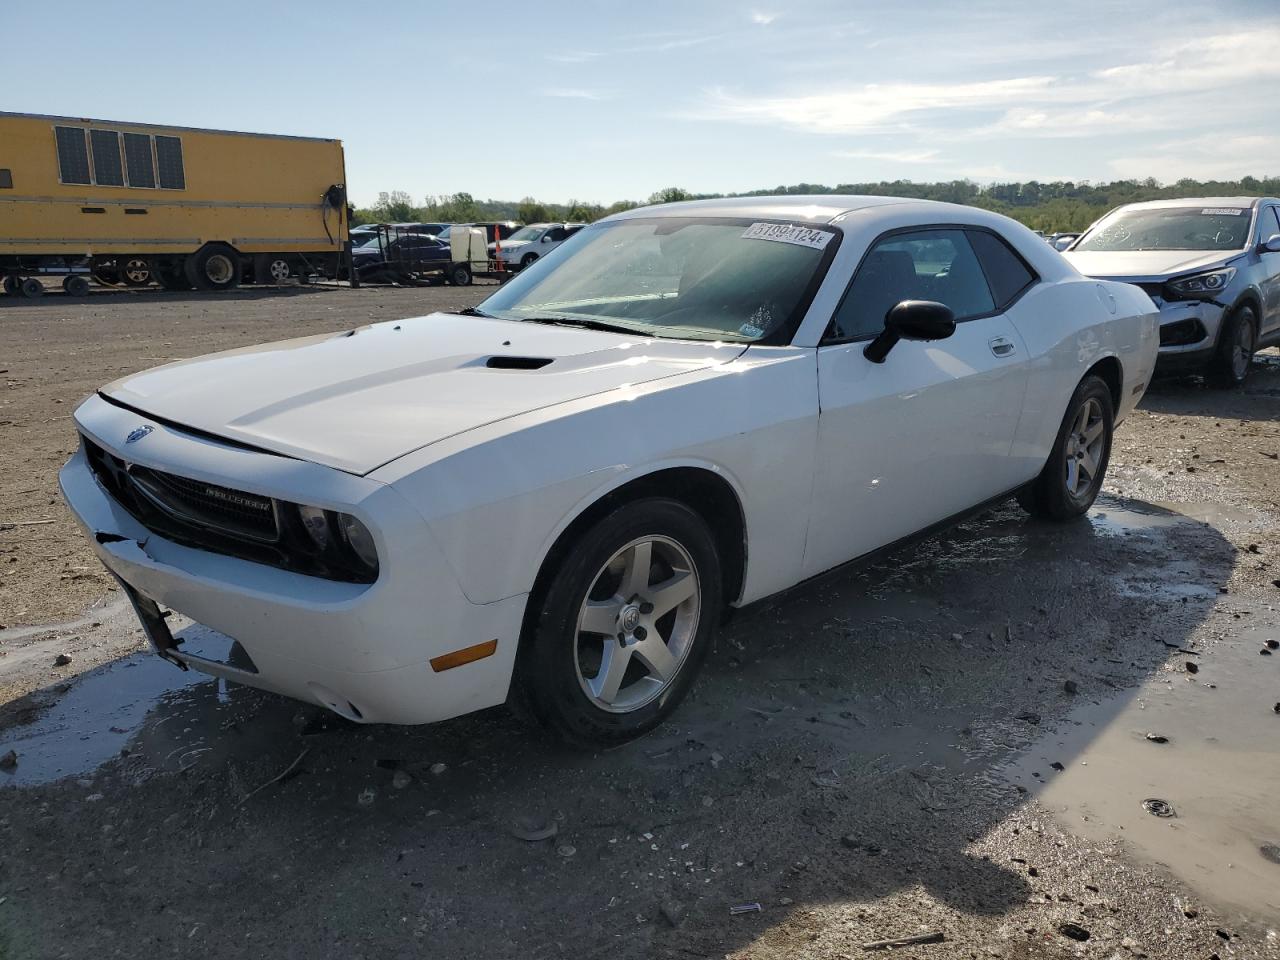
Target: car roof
(1196,202)
(818,208)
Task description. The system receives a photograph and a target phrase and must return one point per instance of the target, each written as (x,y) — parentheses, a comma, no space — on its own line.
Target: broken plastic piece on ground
(1157,738)
(744,908)
(1074,931)
(533,831)
(1158,808)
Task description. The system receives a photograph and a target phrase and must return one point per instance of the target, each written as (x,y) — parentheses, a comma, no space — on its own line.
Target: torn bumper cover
(362,650)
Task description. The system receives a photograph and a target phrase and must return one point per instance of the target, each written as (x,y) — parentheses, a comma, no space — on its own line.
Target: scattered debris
(1158,808)
(1074,931)
(400,779)
(534,831)
(1070,686)
(287,772)
(366,796)
(1192,667)
(1057,766)
(9,760)
(1029,717)
(1157,738)
(936,936)
(1272,644)
(567,850)
(827,780)
(1276,708)
(61,660)
(1270,852)
(744,908)
(437,769)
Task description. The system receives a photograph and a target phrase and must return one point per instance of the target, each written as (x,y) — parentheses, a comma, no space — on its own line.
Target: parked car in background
(555,495)
(1212,265)
(390,255)
(496,229)
(536,240)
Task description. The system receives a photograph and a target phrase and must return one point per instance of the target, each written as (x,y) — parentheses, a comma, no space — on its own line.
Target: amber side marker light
(447,661)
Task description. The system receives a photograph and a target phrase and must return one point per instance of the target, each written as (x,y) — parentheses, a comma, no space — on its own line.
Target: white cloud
(1207,157)
(573,93)
(892,156)
(762,18)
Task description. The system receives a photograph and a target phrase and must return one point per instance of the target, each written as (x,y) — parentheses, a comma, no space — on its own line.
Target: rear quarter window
(1007,274)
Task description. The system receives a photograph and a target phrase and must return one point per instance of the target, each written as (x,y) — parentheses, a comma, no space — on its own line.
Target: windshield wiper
(475,312)
(582,322)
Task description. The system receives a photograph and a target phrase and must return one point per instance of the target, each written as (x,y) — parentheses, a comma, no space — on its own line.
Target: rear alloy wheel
(213,267)
(75,286)
(1230,365)
(624,624)
(1072,476)
(31,288)
(135,271)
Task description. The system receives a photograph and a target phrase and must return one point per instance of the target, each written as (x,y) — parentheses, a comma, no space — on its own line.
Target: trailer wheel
(135,271)
(460,274)
(11,284)
(75,286)
(213,267)
(171,275)
(271,268)
(31,288)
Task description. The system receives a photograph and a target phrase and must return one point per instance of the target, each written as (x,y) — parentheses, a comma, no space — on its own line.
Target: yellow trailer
(136,202)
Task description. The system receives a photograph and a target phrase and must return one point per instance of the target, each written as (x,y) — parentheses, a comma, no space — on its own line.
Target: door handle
(1001,346)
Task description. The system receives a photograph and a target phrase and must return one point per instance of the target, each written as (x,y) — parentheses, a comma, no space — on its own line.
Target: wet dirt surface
(868,757)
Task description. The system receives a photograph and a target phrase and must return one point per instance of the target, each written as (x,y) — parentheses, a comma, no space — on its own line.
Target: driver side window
(920,265)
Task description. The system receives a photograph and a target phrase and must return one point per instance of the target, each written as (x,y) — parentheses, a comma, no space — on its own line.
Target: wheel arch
(701,487)
(1111,372)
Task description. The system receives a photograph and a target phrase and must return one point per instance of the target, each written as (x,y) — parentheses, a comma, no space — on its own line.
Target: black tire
(76,286)
(271,269)
(31,288)
(1050,495)
(172,275)
(135,271)
(551,681)
(1234,355)
(527,259)
(11,284)
(213,267)
(460,275)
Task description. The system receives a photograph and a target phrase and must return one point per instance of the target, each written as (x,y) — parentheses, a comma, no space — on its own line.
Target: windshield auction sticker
(1222,212)
(788,233)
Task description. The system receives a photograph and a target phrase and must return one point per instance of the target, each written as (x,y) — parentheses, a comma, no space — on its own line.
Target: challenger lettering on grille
(226,496)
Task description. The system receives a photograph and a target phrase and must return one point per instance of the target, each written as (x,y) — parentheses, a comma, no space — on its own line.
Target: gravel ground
(869,757)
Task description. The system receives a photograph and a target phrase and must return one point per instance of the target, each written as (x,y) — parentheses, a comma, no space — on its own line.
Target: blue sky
(611,100)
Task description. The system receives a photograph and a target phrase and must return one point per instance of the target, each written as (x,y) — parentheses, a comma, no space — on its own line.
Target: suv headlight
(1202,285)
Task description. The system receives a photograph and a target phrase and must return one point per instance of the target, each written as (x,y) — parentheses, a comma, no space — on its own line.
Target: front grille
(219,519)
(209,505)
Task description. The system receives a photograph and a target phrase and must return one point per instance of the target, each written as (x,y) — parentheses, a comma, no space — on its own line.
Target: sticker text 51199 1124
(788,233)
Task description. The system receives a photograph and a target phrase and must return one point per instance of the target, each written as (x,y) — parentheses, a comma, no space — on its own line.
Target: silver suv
(1212,266)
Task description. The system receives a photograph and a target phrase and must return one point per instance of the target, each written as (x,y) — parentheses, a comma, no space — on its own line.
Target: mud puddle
(1215,767)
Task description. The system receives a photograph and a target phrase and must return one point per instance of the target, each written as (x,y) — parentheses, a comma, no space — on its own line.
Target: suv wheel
(1230,365)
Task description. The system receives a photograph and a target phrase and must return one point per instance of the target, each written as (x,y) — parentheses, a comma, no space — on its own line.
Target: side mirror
(546,238)
(911,320)
(1271,244)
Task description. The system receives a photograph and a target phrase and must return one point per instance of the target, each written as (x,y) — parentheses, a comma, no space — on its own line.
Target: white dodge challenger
(553,497)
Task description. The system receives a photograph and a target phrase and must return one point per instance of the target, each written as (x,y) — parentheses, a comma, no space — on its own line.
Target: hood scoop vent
(517,363)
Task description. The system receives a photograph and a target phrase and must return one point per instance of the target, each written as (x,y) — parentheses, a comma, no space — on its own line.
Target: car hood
(357,400)
(1146,265)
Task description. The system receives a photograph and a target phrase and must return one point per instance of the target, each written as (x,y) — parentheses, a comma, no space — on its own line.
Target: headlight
(1202,285)
(359,539)
(339,541)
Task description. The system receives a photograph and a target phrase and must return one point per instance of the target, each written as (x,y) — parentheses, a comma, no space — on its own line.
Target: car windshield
(527,233)
(682,278)
(1170,228)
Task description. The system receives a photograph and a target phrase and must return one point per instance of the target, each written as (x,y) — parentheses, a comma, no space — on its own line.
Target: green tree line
(1050,207)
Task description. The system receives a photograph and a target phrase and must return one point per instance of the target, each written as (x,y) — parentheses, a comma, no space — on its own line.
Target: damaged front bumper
(362,650)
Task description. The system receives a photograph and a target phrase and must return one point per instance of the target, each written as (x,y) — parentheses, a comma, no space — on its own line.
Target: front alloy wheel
(620,623)
(637,624)
(1230,365)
